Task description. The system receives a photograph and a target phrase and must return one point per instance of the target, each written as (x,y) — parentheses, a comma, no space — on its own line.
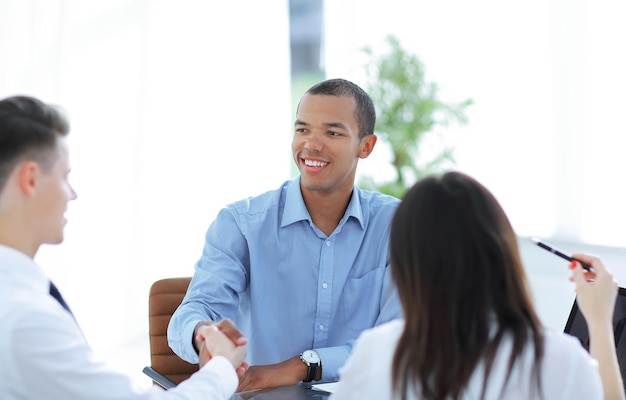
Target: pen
(559,253)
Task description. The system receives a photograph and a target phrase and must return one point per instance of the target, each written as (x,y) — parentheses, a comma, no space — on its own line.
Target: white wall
(546,132)
(177,108)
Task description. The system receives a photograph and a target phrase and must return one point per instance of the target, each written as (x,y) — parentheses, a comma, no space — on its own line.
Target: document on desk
(326,387)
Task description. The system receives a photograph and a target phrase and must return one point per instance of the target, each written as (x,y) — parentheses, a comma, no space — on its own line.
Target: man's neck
(16,239)
(326,209)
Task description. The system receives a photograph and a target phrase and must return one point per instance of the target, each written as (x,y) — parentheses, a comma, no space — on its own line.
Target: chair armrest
(159,378)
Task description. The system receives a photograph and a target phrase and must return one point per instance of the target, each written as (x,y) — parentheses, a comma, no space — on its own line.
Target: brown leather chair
(167,369)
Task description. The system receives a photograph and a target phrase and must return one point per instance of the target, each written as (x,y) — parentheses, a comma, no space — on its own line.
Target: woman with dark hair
(470,330)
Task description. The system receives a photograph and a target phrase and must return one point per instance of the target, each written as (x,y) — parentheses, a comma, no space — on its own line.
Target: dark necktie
(54,292)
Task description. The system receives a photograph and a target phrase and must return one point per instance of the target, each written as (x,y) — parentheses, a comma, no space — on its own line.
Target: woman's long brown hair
(462,286)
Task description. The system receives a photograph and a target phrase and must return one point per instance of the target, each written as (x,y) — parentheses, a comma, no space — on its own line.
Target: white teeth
(312,163)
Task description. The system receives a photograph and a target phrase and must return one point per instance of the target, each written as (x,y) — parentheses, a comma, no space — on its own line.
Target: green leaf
(408,109)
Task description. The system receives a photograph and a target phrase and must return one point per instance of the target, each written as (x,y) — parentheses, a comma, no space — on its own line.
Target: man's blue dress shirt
(287,285)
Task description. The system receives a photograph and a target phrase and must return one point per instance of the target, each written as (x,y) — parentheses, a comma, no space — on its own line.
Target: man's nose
(314,142)
(73,194)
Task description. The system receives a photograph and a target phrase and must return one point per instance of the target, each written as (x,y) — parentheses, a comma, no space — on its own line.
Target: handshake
(222,338)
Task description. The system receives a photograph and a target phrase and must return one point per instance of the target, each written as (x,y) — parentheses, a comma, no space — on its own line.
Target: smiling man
(302,269)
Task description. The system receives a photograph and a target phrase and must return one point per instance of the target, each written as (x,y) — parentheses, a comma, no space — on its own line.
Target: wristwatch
(312,360)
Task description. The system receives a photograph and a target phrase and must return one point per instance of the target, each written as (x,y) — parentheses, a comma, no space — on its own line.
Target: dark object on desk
(167,369)
(159,378)
(577,326)
(295,392)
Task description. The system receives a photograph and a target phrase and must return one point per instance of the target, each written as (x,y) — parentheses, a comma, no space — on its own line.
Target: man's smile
(315,163)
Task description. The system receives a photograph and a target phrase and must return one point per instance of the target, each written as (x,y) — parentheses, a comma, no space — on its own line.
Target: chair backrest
(165,296)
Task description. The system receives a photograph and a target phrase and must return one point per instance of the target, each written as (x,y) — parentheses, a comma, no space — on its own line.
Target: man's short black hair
(29,129)
(364,113)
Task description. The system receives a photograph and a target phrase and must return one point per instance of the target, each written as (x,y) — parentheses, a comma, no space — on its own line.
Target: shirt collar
(295,210)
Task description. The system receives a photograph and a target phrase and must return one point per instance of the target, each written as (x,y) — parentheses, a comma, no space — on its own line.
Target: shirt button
(324,285)
(321,327)
(328,243)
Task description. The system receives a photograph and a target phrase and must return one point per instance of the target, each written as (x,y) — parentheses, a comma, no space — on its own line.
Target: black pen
(559,253)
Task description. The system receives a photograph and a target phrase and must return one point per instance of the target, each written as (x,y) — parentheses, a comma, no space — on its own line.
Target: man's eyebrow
(335,125)
(327,124)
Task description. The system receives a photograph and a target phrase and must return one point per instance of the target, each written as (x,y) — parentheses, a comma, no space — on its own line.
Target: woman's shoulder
(559,342)
(567,349)
(568,367)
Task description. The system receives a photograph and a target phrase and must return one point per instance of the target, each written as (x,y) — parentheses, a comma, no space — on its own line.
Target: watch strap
(312,369)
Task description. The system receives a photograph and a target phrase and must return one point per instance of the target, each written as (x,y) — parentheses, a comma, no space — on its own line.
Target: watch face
(311,356)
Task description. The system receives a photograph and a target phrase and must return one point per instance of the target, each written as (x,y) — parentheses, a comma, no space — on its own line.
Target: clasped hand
(224,339)
(221,339)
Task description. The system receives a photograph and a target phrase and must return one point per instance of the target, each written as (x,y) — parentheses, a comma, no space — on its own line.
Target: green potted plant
(408,110)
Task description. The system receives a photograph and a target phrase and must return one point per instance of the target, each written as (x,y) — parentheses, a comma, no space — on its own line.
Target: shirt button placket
(325,295)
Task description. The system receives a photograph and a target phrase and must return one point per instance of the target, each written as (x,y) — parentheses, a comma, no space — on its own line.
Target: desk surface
(296,392)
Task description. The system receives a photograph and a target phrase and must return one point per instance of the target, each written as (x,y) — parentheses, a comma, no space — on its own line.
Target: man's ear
(27,172)
(367,145)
